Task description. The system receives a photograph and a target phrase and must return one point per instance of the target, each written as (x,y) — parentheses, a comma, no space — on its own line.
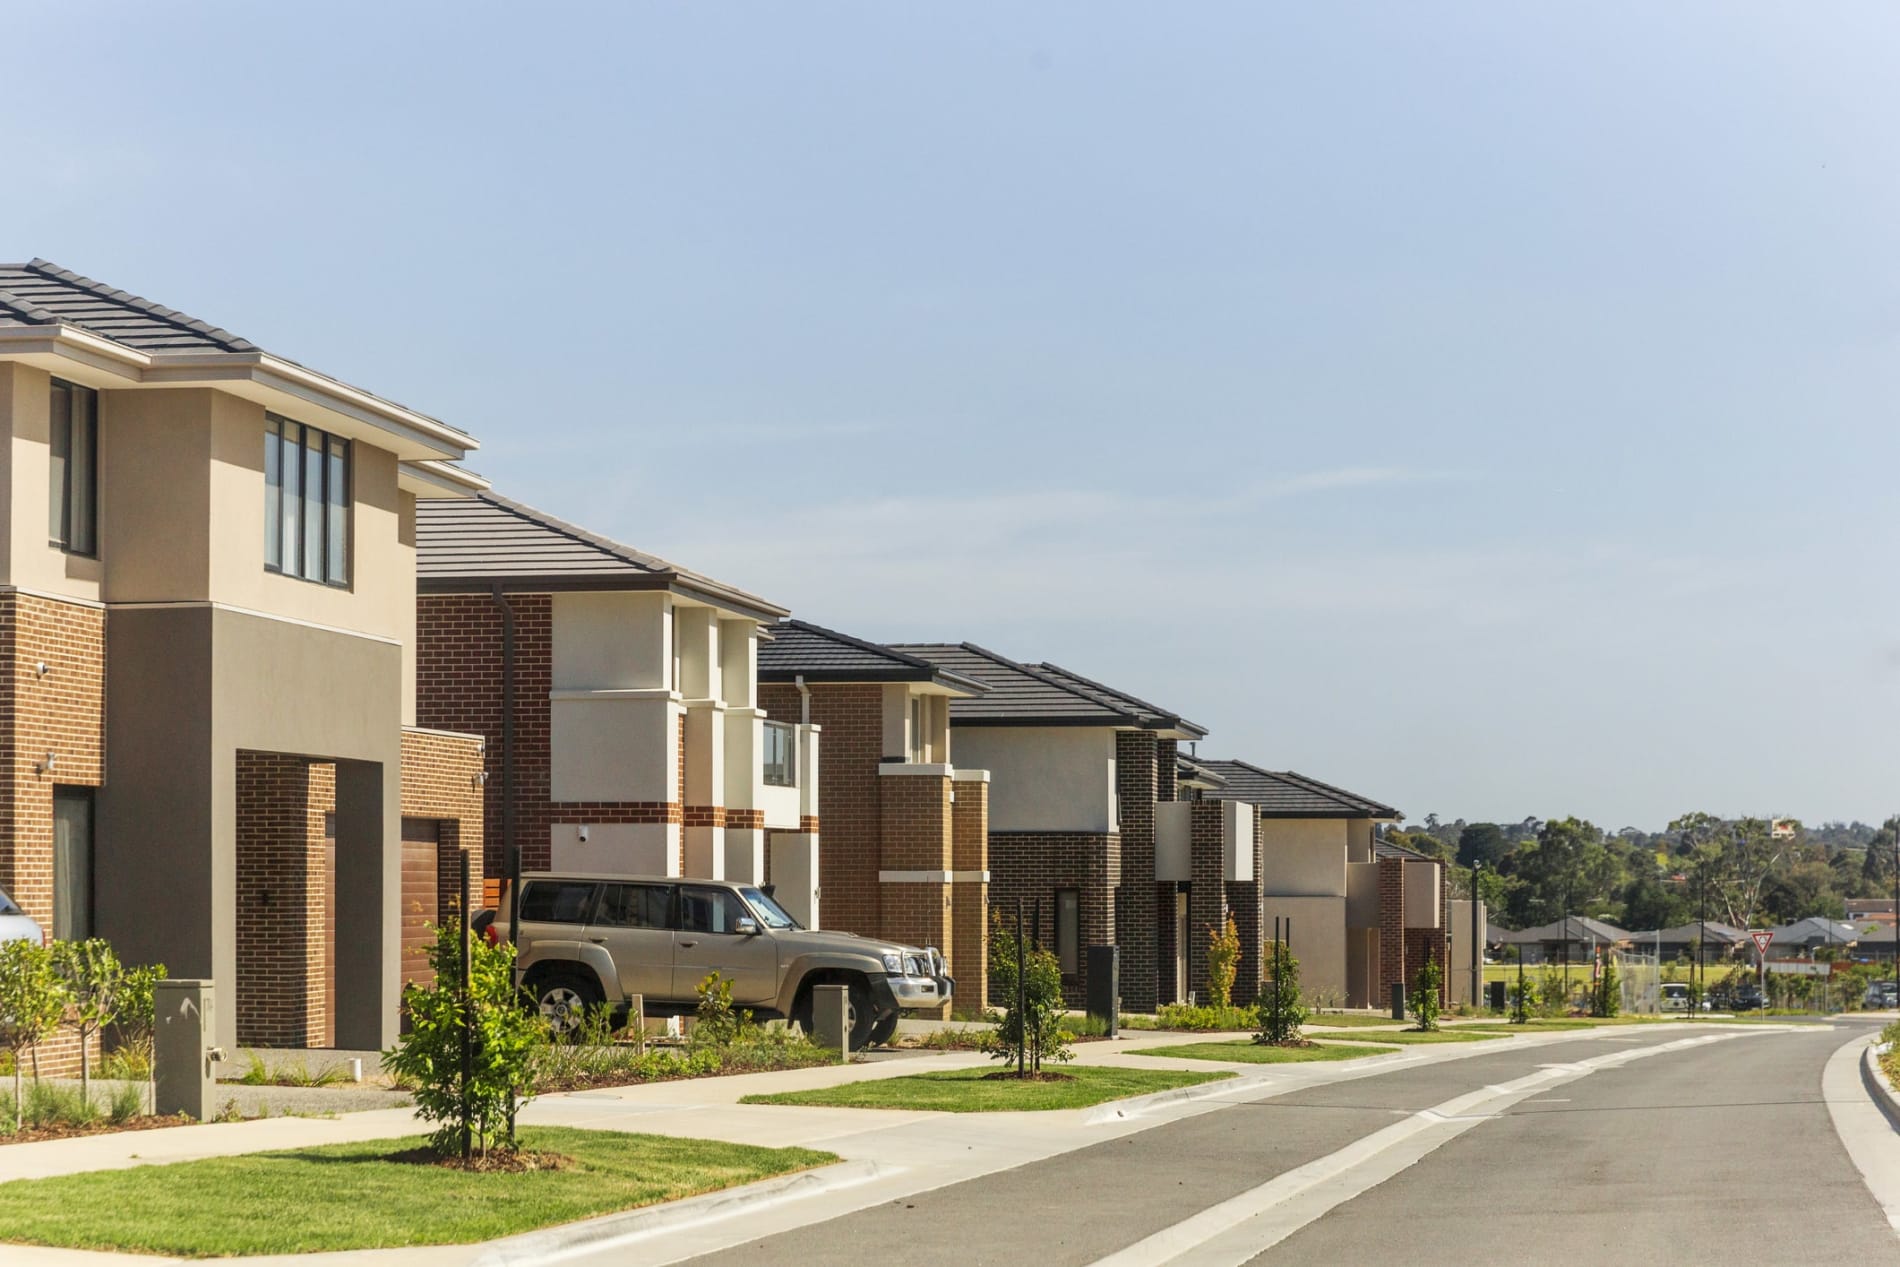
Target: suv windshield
(770,913)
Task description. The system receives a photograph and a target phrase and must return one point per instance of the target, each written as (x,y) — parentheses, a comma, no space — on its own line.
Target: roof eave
(555,583)
(438,479)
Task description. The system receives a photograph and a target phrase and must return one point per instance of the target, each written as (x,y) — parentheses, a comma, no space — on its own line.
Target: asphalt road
(1601,1149)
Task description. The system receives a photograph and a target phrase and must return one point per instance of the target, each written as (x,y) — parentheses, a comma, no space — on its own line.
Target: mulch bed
(1291,1042)
(497,1162)
(1010,1075)
(38,1134)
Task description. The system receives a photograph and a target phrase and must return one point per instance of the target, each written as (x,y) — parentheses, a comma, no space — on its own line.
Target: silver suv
(591,941)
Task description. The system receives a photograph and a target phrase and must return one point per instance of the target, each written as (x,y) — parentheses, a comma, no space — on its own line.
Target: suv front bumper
(907,993)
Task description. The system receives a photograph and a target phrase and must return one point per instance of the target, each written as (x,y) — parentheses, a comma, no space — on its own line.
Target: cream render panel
(613,641)
(1044,778)
(1421,895)
(613,746)
(1173,841)
(1305,856)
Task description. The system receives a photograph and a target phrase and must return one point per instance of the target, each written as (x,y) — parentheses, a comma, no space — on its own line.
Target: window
(556,902)
(635,906)
(72,519)
(711,911)
(770,913)
(919,751)
(781,754)
(72,863)
(1068,931)
(306,502)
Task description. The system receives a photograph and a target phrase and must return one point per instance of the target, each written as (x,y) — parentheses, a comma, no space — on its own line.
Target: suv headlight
(893,962)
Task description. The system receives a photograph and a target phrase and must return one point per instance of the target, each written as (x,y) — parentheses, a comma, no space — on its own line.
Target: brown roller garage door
(421,900)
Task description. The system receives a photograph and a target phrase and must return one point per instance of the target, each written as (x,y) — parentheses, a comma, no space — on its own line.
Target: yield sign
(1761,940)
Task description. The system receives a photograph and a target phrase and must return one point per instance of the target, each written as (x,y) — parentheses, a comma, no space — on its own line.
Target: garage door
(420,896)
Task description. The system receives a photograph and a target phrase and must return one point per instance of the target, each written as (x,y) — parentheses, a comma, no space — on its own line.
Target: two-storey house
(906,851)
(207,610)
(618,694)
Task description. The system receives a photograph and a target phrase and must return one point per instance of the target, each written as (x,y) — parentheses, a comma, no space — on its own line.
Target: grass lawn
(1349,1020)
(1250,1052)
(1536,1025)
(969,1091)
(1406,1036)
(350,1196)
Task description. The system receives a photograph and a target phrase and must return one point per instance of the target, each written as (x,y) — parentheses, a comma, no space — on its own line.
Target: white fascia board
(438,480)
(74,354)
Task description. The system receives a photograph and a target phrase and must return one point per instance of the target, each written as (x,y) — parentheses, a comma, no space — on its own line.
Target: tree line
(1737,871)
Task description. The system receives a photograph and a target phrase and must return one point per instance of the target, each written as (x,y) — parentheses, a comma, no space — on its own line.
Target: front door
(634,923)
(1180,947)
(708,941)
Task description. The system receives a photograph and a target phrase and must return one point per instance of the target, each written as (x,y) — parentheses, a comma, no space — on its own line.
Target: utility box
(1494,995)
(1398,1000)
(831,1018)
(184,1063)
(1105,987)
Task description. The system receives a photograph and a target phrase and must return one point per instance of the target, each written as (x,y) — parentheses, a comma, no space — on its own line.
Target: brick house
(1087,825)
(207,598)
(906,851)
(1364,912)
(619,696)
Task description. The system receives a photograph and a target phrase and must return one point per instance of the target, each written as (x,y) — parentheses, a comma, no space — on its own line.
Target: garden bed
(372,1195)
(976,1091)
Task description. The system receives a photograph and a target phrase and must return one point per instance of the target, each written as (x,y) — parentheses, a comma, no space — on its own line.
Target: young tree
(32,1003)
(1279,1008)
(1425,1001)
(1032,1033)
(1607,999)
(1223,962)
(93,980)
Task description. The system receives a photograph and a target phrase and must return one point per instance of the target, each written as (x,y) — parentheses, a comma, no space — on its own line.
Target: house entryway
(1180,946)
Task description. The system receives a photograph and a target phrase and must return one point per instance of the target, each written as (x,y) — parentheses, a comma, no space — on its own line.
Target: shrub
(1521,1001)
(32,1003)
(1223,962)
(1425,1001)
(1033,1033)
(1279,1009)
(1201,1018)
(1607,999)
(93,976)
(1553,993)
(716,1023)
(504,1040)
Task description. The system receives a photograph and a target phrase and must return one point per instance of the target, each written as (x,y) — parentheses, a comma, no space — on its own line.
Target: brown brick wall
(459,688)
(1392,960)
(1033,865)
(1247,902)
(1207,894)
(1136,786)
(441,780)
(282,906)
(969,946)
(851,716)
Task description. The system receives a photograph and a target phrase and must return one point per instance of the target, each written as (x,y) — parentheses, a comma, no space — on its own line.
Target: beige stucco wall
(30,560)
(1422,894)
(1362,894)
(1318,941)
(1044,778)
(1306,856)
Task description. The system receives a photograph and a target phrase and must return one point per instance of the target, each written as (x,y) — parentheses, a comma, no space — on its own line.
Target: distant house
(1582,936)
(1717,941)
(1802,938)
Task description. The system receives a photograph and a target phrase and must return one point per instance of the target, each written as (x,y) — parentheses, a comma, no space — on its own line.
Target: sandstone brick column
(1141,908)
(969,946)
(915,854)
(1392,957)
(282,902)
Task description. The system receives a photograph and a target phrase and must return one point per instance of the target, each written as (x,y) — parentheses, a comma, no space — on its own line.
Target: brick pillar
(1167,753)
(1140,910)
(1442,937)
(1392,965)
(969,945)
(914,853)
(282,902)
(1247,901)
(1207,896)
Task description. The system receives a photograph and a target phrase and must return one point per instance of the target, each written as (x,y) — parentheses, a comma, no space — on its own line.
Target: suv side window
(710,911)
(557,901)
(635,906)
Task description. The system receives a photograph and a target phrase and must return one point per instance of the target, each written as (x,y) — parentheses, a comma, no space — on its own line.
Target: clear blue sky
(1489,408)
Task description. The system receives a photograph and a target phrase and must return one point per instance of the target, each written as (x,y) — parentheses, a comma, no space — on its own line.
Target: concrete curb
(611,1230)
(1884,1097)
(1141,1105)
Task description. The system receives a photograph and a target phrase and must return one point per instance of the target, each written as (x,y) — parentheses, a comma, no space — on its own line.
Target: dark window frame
(307,528)
(61,534)
(89,914)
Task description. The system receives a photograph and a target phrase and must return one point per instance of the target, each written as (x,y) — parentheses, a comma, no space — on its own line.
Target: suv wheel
(882,1031)
(858,1015)
(564,1000)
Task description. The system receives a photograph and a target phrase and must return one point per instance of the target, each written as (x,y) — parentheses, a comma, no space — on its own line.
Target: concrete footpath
(886,1154)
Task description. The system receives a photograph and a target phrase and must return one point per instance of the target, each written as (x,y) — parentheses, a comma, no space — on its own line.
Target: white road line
(1242,1227)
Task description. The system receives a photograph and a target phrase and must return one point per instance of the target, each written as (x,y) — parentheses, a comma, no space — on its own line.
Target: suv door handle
(598,941)
(688,943)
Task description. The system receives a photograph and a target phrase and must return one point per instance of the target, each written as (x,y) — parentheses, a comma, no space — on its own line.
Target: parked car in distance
(1747,998)
(16,924)
(590,941)
(1882,994)
(1675,996)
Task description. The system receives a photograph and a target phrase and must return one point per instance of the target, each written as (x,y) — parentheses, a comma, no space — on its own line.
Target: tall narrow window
(307,500)
(72,863)
(1068,930)
(919,747)
(72,519)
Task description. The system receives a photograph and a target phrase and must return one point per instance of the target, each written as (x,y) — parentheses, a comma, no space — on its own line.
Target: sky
(1486,408)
